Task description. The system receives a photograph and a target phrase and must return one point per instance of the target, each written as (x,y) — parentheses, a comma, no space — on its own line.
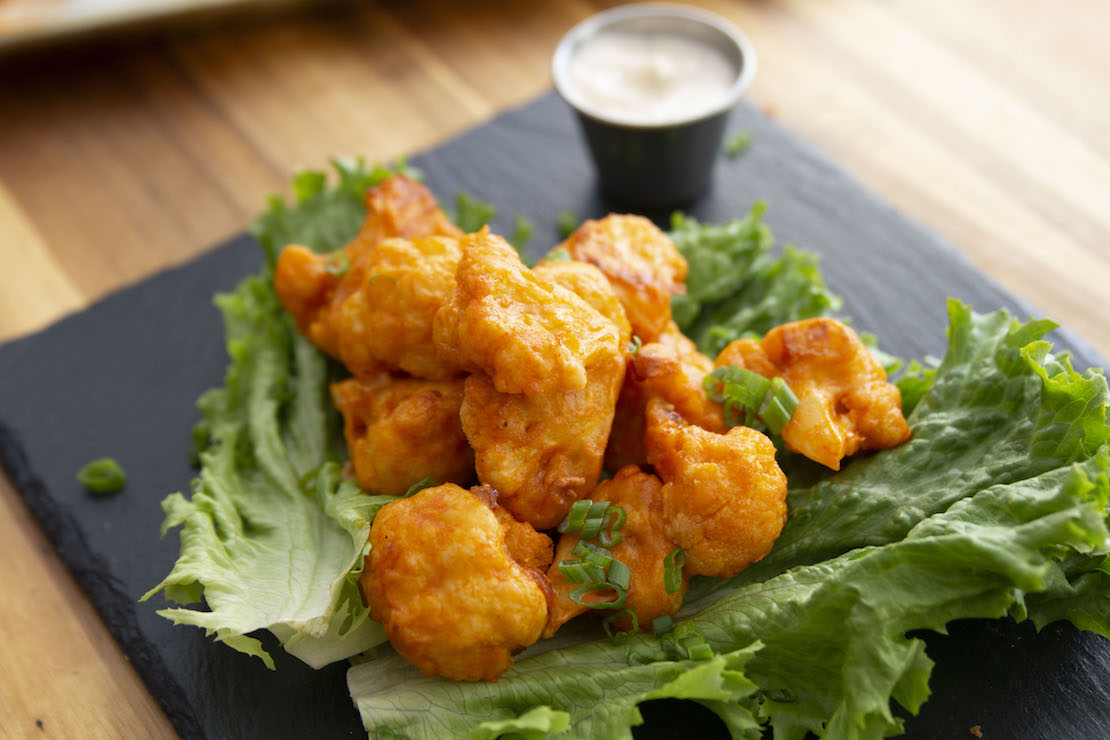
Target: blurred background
(136,135)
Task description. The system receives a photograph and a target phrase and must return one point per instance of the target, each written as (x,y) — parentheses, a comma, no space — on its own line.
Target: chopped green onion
(380,275)
(635,344)
(621,637)
(749,396)
(102,476)
(599,556)
(662,625)
(693,643)
(577,571)
(619,574)
(338,265)
(672,569)
(611,535)
(558,255)
(566,222)
(737,144)
(585,518)
(620,596)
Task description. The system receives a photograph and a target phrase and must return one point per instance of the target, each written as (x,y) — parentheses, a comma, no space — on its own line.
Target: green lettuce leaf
(736,288)
(271,536)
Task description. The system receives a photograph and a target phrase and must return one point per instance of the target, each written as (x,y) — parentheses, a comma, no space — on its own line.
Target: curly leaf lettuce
(997,506)
(271,536)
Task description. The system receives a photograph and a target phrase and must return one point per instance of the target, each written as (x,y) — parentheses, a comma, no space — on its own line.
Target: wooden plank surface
(987,120)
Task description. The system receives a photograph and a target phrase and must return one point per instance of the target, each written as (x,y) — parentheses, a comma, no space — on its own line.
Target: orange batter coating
(724,496)
(313,286)
(386,321)
(588,283)
(402,430)
(453,597)
(527,334)
(845,404)
(542,453)
(643,548)
(671,369)
(642,263)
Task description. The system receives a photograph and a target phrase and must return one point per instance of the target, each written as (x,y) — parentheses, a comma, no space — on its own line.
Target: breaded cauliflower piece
(542,453)
(402,430)
(671,369)
(453,598)
(588,283)
(386,321)
(845,404)
(643,548)
(527,334)
(642,263)
(313,286)
(724,496)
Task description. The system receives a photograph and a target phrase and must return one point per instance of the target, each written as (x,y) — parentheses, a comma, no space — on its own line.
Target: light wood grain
(986,120)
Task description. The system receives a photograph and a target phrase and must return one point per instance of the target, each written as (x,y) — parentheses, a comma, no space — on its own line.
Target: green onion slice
(611,527)
(748,397)
(672,569)
(599,556)
(102,476)
(338,265)
(585,518)
(576,571)
(621,637)
(619,574)
(617,602)
(693,643)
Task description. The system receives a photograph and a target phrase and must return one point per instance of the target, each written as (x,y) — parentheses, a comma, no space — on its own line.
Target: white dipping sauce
(649,78)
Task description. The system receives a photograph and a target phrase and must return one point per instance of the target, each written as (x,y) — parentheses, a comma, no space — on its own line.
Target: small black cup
(656,166)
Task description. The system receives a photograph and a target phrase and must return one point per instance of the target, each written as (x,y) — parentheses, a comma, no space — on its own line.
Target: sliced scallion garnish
(748,396)
(620,595)
(614,519)
(621,637)
(577,571)
(672,569)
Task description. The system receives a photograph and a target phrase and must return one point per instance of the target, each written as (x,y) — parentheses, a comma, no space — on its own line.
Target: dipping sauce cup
(653,85)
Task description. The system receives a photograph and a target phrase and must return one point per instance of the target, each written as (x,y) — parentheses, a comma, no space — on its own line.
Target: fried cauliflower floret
(724,496)
(401,207)
(642,263)
(671,369)
(386,321)
(402,430)
(588,283)
(643,548)
(451,596)
(845,405)
(542,453)
(527,334)
(313,286)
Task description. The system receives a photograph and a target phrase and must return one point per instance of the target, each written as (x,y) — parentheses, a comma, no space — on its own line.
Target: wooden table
(988,120)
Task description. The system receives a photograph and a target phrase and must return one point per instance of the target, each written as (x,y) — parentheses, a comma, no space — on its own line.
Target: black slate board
(121,378)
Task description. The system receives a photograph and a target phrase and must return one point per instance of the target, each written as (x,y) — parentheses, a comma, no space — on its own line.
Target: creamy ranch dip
(649,78)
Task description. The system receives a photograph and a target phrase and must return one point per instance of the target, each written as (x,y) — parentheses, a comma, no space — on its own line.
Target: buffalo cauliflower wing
(845,404)
(527,334)
(724,496)
(443,579)
(541,453)
(313,287)
(672,369)
(402,430)
(386,321)
(642,263)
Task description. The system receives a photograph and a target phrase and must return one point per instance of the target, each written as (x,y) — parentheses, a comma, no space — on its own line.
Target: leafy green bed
(996,506)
